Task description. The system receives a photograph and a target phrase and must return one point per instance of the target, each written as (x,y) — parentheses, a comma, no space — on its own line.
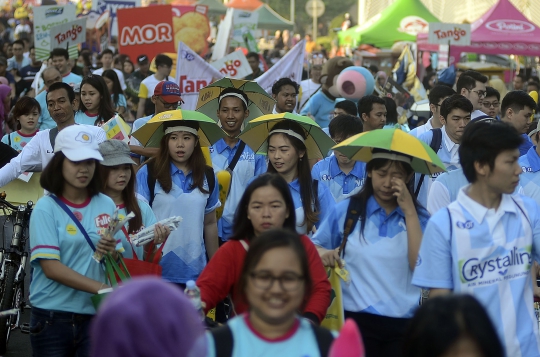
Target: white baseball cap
(77,143)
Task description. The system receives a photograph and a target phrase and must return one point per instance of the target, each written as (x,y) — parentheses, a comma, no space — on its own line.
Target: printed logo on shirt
(23,144)
(526,169)
(465,225)
(211,149)
(246,156)
(418,260)
(359,182)
(102,221)
(84,138)
(71,229)
(496,267)
(326,177)
(78,215)
(17,139)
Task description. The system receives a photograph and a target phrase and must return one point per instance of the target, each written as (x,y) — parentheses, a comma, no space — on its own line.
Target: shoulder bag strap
(129,241)
(436,141)
(74,219)
(151,256)
(52,136)
(324,339)
(223,341)
(244,244)
(236,156)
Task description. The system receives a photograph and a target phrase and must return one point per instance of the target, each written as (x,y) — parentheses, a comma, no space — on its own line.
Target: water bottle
(194,294)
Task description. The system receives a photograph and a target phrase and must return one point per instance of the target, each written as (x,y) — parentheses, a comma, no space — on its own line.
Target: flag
(289,66)
(192,74)
(405,74)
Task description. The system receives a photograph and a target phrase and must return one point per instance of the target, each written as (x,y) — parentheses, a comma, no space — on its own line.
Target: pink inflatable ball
(349,342)
(355,83)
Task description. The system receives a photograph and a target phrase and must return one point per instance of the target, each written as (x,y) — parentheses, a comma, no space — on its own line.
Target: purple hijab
(4,93)
(147,317)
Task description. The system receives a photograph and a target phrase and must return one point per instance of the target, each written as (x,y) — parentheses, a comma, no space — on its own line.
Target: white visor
(172,129)
(392,156)
(288,132)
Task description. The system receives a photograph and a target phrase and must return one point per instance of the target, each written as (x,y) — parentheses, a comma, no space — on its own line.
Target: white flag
(192,74)
(289,66)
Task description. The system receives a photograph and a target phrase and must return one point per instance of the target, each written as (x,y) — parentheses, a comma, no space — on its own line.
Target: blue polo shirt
(530,178)
(487,253)
(54,236)
(376,259)
(341,185)
(249,165)
(326,203)
(525,145)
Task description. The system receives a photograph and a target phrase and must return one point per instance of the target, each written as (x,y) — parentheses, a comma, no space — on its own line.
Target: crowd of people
(473,230)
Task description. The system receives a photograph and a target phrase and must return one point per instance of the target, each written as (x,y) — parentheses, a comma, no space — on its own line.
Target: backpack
(224,340)
(435,146)
(151,179)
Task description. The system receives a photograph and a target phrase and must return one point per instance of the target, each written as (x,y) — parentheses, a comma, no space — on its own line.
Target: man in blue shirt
(372,112)
(50,76)
(60,60)
(472,85)
(485,242)
(455,115)
(243,165)
(516,109)
(344,177)
(285,92)
(436,96)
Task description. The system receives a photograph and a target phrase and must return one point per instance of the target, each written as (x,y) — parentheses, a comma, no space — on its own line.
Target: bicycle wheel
(8,290)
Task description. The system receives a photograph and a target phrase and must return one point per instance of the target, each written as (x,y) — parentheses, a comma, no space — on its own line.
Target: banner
(221,47)
(69,34)
(45,18)
(112,6)
(244,27)
(234,65)
(145,30)
(190,26)
(192,74)
(97,31)
(289,66)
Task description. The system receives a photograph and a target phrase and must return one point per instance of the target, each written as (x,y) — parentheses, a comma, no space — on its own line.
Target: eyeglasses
(288,282)
(170,106)
(489,105)
(481,93)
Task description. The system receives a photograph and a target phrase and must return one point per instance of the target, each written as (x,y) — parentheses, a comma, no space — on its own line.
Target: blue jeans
(59,334)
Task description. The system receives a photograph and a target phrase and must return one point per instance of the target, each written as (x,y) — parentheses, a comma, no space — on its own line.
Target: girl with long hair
(95,107)
(118,182)
(26,113)
(287,154)
(117,94)
(66,228)
(380,253)
(179,186)
(266,204)
(275,281)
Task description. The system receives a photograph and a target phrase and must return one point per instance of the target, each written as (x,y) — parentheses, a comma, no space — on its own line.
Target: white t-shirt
(146,89)
(119,73)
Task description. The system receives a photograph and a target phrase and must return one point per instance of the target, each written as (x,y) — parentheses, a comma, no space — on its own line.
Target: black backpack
(151,179)
(435,146)
(224,340)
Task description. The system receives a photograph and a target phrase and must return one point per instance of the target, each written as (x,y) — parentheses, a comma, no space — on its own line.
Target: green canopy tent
(271,20)
(401,21)
(215,7)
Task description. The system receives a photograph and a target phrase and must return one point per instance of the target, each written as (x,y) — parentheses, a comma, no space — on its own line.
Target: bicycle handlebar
(3,202)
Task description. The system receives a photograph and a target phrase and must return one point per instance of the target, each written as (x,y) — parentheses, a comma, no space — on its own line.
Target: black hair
(492,92)
(62,85)
(276,88)
(344,126)
(534,79)
(24,106)
(482,141)
(162,59)
(310,202)
(60,52)
(442,321)
(517,100)
(533,83)
(237,91)
(466,82)
(522,76)
(105,110)
(365,104)
(373,68)
(348,106)
(391,110)
(242,227)
(439,92)
(456,101)
(253,55)
(52,180)
(18,42)
(275,238)
(367,190)
(476,75)
(107,51)
(117,87)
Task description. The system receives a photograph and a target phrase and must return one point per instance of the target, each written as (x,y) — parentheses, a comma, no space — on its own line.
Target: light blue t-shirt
(17,140)
(45,121)
(530,178)
(341,186)
(54,235)
(326,203)
(86,118)
(300,341)
(377,260)
(320,107)
(487,253)
(448,153)
(184,254)
(121,101)
(71,78)
(249,165)
(148,218)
